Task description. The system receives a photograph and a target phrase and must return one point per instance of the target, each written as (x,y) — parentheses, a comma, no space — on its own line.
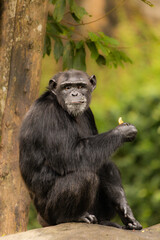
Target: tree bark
(22,28)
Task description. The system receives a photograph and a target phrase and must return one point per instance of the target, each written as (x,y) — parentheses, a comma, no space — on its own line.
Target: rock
(83,231)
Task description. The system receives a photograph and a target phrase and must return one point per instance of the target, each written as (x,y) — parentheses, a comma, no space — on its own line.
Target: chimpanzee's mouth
(78,102)
(76,108)
(75,102)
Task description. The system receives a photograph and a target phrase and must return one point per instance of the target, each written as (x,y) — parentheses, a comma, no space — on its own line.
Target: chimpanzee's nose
(74,94)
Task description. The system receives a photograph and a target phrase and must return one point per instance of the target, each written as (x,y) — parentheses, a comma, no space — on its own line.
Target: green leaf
(117,58)
(101,60)
(75,18)
(93,37)
(124,57)
(93,49)
(58,49)
(79,44)
(51,29)
(99,43)
(67,31)
(68,55)
(108,40)
(59,10)
(47,46)
(54,28)
(79,58)
(78,11)
(105,50)
(58,27)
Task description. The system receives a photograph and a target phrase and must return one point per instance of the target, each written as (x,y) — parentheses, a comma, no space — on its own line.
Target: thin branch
(98,19)
(63,38)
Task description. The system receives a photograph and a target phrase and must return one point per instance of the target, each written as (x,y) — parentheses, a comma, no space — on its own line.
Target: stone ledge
(82,231)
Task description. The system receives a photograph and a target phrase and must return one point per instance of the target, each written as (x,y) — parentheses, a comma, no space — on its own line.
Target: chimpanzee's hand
(128,131)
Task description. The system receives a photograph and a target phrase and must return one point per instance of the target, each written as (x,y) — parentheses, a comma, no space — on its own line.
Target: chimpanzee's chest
(84,127)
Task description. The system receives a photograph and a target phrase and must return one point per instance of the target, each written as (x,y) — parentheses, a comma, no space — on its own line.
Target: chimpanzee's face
(73,89)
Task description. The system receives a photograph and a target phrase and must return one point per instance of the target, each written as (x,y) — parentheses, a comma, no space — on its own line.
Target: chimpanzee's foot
(128,219)
(133,225)
(87,218)
(111,224)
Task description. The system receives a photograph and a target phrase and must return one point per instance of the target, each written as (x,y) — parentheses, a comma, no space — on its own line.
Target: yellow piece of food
(120,121)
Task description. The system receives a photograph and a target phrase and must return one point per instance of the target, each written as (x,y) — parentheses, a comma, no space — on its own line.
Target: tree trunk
(22,28)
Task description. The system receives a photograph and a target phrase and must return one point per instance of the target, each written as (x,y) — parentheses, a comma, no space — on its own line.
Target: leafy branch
(103,49)
(98,19)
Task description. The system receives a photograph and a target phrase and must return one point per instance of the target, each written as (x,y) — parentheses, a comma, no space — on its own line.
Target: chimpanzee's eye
(80,86)
(67,87)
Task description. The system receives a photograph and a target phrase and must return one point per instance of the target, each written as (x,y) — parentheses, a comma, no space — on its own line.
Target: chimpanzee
(65,162)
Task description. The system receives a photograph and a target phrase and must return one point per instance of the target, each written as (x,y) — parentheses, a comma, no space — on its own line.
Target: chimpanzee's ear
(93,81)
(52,85)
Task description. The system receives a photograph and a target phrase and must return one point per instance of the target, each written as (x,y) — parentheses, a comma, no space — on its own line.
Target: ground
(82,231)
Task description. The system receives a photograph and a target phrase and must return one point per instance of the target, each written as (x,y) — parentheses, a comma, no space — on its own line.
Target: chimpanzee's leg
(104,210)
(71,197)
(112,191)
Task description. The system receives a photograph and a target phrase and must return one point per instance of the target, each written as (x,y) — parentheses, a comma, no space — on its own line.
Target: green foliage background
(132,92)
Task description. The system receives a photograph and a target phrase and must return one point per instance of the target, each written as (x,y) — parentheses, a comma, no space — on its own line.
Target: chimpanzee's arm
(88,153)
(98,148)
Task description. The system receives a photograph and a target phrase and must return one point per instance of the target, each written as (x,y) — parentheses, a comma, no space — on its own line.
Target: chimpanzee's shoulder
(46,97)
(89,115)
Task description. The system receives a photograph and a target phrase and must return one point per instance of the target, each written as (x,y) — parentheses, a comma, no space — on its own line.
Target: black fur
(65,165)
